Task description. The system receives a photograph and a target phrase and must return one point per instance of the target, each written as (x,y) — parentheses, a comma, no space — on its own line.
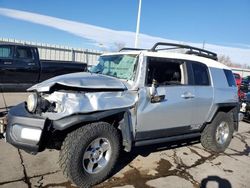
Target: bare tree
(118,46)
(225,60)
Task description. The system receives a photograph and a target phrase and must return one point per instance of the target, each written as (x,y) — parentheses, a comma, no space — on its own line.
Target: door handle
(7,63)
(31,64)
(187,95)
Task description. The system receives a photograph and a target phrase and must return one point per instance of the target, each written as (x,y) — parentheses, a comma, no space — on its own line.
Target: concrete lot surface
(183,164)
(10,99)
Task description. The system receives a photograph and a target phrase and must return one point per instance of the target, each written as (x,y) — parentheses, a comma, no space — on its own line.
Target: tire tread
(83,135)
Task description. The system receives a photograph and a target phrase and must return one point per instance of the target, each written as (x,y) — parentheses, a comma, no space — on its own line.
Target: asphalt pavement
(183,164)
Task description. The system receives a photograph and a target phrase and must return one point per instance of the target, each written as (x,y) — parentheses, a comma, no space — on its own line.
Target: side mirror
(152,89)
(154,98)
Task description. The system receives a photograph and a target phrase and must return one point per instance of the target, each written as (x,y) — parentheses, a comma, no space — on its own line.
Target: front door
(173,114)
(25,68)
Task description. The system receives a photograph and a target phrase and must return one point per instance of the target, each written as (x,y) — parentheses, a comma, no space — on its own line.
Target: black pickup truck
(20,67)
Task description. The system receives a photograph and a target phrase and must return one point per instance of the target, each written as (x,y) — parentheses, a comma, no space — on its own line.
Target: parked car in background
(245,107)
(245,84)
(241,93)
(238,79)
(20,67)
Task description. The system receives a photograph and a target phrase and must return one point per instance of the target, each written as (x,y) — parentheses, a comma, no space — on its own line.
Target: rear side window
(5,52)
(230,78)
(24,53)
(200,74)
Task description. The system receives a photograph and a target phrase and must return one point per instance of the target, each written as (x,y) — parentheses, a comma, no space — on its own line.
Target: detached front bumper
(24,130)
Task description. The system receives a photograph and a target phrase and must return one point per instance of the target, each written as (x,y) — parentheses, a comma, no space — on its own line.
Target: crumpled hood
(82,80)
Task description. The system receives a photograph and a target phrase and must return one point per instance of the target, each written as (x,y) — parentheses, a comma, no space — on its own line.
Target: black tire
(208,136)
(74,147)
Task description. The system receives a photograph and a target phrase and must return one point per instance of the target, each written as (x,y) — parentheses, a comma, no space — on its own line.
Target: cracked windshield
(119,66)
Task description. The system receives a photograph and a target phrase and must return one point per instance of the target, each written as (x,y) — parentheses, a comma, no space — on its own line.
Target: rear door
(203,91)
(6,61)
(25,67)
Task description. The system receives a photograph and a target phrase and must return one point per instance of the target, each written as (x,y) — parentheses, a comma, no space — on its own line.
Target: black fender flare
(226,107)
(127,131)
(125,124)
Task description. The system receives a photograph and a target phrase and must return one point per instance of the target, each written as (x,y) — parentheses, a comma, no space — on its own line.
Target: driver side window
(24,53)
(165,72)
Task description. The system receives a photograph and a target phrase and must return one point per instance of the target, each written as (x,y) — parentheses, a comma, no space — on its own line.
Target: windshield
(119,66)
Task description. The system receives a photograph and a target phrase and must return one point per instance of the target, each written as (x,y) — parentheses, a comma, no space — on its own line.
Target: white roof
(176,55)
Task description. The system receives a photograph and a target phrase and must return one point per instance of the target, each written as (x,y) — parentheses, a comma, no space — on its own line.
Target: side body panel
(203,92)
(202,104)
(223,94)
(174,111)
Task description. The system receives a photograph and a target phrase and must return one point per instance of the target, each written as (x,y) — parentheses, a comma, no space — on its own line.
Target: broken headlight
(38,104)
(31,102)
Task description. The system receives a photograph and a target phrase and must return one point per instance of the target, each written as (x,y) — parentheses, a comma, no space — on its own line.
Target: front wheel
(217,135)
(89,153)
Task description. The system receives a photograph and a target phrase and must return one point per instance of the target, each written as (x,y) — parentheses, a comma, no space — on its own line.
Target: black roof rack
(191,50)
(134,49)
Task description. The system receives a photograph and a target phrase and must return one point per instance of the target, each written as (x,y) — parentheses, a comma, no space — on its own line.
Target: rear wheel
(217,135)
(89,153)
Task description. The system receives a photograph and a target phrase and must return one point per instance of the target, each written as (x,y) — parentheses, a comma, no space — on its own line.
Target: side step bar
(166,139)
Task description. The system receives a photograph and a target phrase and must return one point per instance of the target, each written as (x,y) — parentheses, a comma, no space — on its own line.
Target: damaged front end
(57,99)
(60,103)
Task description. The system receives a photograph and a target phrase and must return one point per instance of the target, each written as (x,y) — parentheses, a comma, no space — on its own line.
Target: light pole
(138,24)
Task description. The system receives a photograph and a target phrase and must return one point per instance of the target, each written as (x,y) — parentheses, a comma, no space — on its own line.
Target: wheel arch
(119,118)
(227,108)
